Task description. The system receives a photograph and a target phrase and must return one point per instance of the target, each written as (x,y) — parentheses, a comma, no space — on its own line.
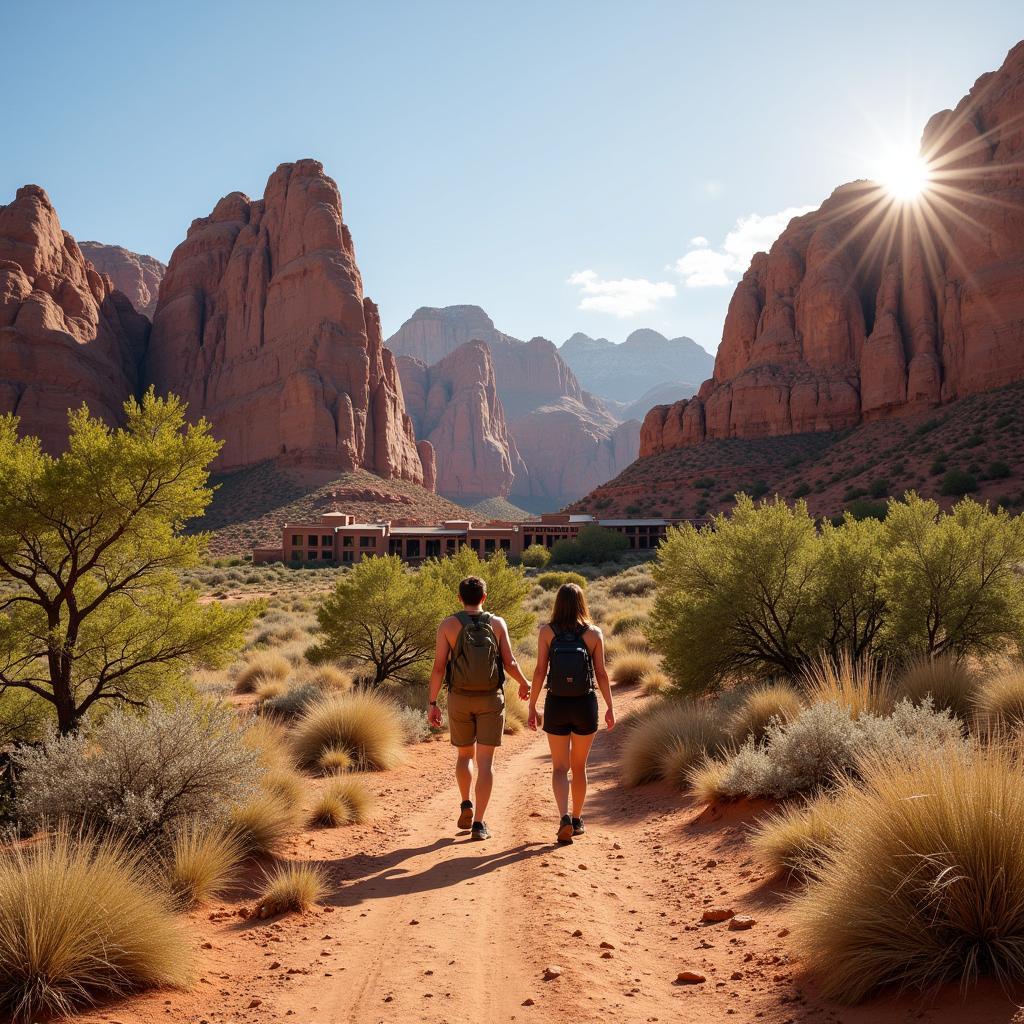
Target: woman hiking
(570,659)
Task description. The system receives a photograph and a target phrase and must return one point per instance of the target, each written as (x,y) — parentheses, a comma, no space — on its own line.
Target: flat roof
(434,530)
(633,522)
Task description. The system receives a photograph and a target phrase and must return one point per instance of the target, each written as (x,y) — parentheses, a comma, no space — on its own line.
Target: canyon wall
(136,275)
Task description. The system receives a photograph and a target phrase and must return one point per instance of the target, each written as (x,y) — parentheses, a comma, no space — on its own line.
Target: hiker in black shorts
(570,658)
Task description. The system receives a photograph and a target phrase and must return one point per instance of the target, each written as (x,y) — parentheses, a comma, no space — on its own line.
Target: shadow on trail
(364,878)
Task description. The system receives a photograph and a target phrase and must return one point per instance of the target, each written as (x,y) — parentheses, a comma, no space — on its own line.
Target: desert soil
(425,925)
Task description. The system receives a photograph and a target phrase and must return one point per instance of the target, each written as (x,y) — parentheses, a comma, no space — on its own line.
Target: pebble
(716,914)
(552,971)
(606,945)
(690,978)
(528,1001)
(578,934)
(741,923)
(253,1003)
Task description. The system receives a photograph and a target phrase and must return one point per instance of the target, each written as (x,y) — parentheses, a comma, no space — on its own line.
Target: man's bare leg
(484,779)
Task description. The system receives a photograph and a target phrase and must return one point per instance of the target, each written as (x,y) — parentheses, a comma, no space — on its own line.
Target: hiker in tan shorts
(472,655)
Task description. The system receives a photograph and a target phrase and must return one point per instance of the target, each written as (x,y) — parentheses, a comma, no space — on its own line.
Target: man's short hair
(472,590)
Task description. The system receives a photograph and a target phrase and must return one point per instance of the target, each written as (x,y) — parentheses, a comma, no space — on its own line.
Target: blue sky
(551,162)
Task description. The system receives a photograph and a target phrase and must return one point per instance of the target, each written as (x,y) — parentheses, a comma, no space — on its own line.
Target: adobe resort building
(337,539)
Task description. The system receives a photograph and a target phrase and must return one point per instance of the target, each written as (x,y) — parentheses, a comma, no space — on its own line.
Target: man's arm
(441,649)
(508,659)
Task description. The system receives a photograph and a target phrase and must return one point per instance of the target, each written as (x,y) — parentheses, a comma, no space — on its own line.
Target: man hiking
(472,655)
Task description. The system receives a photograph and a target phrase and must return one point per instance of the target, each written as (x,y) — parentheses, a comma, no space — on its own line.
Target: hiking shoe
(564,835)
(480,831)
(465,814)
(578,828)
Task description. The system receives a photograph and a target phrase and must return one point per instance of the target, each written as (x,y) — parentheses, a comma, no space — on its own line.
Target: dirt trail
(428,926)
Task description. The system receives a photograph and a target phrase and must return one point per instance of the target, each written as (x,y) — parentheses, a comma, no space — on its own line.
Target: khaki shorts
(476,718)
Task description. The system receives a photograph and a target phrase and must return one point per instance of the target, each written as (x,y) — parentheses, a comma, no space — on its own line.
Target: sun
(905,175)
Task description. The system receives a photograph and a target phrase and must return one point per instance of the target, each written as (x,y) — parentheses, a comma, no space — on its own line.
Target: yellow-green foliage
(667,740)
(999,700)
(628,624)
(759,707)
(82,921)
(291,887)
(364,723)
(858,686)
(795,837)
(553,580)
(924,883)
(343,801)
(201,863)
(950,683)
(536,556)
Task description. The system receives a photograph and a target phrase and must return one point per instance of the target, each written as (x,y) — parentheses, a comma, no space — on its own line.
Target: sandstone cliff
(262,327)
(867,308)
(66,335)
(567,438)
(454,404)
(136,275)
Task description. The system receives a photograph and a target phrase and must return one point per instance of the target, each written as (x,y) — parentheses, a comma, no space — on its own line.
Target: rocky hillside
(646,359)
(136,275)
(568,440)
(67,336)
(867,308)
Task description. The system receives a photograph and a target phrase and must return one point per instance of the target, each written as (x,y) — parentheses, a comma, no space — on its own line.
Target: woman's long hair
(570,613)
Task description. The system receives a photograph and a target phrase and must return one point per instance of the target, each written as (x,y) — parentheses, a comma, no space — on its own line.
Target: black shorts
(565,715)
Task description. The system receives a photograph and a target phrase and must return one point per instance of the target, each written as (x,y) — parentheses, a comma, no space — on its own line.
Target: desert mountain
(67,336)
(646,359)
(661,394)
(867,307)
(136,275)
(567,438)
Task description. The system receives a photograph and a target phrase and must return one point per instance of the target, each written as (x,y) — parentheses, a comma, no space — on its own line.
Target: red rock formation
(136,275)
(455,405)
(66,336)
(866,307)
(263,328)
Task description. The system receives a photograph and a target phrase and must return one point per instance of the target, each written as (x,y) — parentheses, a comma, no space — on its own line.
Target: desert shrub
(592,545)
(261,667)
(759,707)
(414,725)
(330,677)
(507,585)
(957,482)
(285,783)
(200,862)
(553,580)
(269,742)
(666,740)
(922,886)
(795,837)
(343,801)
(656,683)
(536,556)
(139,774)
(335,759)
(705,778)
(858,686)
(292,701)
(516,710)
(81,921)
(364,723)
(291,887)
(631,667)
(631,584)
(636,642)
(269,689)
(264,822)
(950,683)
(825,743)
(999,700)
(628,623)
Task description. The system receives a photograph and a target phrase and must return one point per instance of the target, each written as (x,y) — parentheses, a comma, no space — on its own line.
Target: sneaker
(578,828)
(564,835)
(465,814)
(480,831)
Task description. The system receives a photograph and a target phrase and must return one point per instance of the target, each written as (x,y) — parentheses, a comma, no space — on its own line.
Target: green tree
(507,585)
(92,610)
(536,556)
(592,545)
(737,596)
(952,582)
(384,614)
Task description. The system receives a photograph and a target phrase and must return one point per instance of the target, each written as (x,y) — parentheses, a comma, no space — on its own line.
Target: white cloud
(704,267)
(625,297)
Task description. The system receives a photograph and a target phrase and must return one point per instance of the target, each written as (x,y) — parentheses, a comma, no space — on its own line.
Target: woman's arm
(539,674)
(601,674)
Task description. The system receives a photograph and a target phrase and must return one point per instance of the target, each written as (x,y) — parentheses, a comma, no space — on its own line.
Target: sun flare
(905,175)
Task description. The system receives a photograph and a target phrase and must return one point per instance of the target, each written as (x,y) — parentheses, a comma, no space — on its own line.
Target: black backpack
(570,667)
(475,664)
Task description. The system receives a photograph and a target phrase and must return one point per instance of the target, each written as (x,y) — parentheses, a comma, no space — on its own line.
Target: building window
(366,542)
(506,544)
(346,542)
(450,544)
(296,555)
(312,539)
(630,530)
(412,548)
(433,549)
(548,540)
(527,539)
(327,542)
(296,541)
(489,545)
(475,544)
(346,556)
(394,545)
(642,542)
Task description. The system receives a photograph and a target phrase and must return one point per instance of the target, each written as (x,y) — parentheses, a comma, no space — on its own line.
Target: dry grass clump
(291,887)
(270,741)
(628,624)
(999,701)
(261,667)
(264,822)
(201,863)
(656,683)
(707,780)
(924,884)
(759,707)
(363,722)
(81,921)
(794,838)
(631,667)
(858,686)
(330,677)
(667,740)
(269,689)
(335,759)
(636,641)
(950,683)
(344,801)
(285,783)
(516,709)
